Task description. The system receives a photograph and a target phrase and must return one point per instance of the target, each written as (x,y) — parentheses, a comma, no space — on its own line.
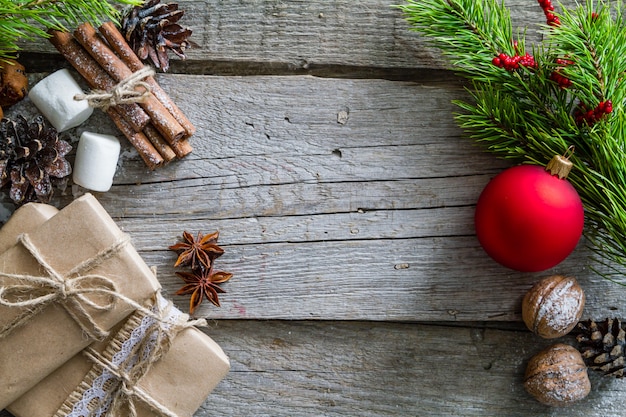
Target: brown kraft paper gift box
(183,395)
(24,220)
(180,381)
(77,233)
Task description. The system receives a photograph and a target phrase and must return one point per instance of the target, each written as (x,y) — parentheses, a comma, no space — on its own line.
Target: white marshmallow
(96,161)
(54,97)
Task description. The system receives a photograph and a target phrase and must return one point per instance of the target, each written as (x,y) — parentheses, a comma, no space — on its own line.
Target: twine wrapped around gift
(124,92)
(111,387)
(73,291)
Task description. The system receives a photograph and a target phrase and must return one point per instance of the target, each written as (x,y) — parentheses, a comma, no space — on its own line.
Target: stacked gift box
(83,327)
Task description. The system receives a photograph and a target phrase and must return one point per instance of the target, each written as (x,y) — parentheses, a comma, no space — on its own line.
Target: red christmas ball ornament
(530,218)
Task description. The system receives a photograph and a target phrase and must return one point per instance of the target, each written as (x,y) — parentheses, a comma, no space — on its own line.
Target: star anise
(199,252)
(202,283)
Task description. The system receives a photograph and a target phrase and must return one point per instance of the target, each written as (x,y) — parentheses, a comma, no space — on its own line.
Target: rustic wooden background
(328,158)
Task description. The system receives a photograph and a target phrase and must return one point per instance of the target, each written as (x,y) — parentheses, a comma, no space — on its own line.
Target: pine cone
(602,346)
(152,29)
(32,159)
(7,146)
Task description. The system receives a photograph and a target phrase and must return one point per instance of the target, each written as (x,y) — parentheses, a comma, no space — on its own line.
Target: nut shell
(553,306)
(13,82)
(557,376)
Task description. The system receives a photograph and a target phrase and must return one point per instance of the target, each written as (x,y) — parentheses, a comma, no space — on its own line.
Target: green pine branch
(526,116)
(29,19)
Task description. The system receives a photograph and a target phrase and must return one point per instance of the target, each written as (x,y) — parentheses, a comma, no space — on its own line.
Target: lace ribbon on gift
(125,92)
(77,291)
(111,387)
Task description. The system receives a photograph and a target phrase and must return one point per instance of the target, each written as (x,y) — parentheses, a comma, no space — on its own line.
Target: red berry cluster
(557,77)
(548,10)
(590,117)
(511,63)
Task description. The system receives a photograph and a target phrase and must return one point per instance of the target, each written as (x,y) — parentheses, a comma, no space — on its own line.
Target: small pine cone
(603,345)
(32,158)
(7,146)
(152,29)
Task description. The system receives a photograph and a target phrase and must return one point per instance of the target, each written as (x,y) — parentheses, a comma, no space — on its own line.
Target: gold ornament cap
(560,165)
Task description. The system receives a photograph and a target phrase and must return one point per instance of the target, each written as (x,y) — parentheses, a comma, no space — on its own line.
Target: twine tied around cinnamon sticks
(126,359)
(73,291)
(156,127)
(124,92)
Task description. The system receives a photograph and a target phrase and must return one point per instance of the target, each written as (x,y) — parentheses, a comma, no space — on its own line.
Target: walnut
(557,376)
(13,83)
(553,306)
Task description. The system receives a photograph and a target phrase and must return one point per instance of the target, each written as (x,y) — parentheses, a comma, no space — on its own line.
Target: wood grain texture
(384,369)
(319,37)
(371,369)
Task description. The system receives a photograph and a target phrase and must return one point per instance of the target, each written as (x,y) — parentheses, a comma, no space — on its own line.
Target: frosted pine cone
(152,29)
(32,159)
(602,346)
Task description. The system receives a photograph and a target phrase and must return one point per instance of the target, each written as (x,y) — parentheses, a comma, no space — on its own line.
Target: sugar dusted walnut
(557,376)
(553,306)
(13,83)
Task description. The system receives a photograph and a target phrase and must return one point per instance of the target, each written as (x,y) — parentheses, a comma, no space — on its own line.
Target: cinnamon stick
(182,148)
(95,76)
(160,117)
(116,41)
(159,143)
(151,157)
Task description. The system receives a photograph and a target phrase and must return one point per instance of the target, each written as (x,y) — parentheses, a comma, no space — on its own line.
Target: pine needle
(525,116)
(29,19)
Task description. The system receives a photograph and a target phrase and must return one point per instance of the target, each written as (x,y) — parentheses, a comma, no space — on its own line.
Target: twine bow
(124,92)
(122,391)
(74,292)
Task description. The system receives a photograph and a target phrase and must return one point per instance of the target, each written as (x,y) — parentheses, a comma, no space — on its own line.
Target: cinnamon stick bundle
(129,118)
(95,76)
(155,126)
(116,40)
(160,117)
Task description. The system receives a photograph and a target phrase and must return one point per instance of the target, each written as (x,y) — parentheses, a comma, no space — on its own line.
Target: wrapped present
(62,286)
(156,365)
(24,220)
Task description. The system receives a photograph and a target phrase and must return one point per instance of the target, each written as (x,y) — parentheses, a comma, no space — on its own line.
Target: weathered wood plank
(436,279)
(385,369)
(319,37)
